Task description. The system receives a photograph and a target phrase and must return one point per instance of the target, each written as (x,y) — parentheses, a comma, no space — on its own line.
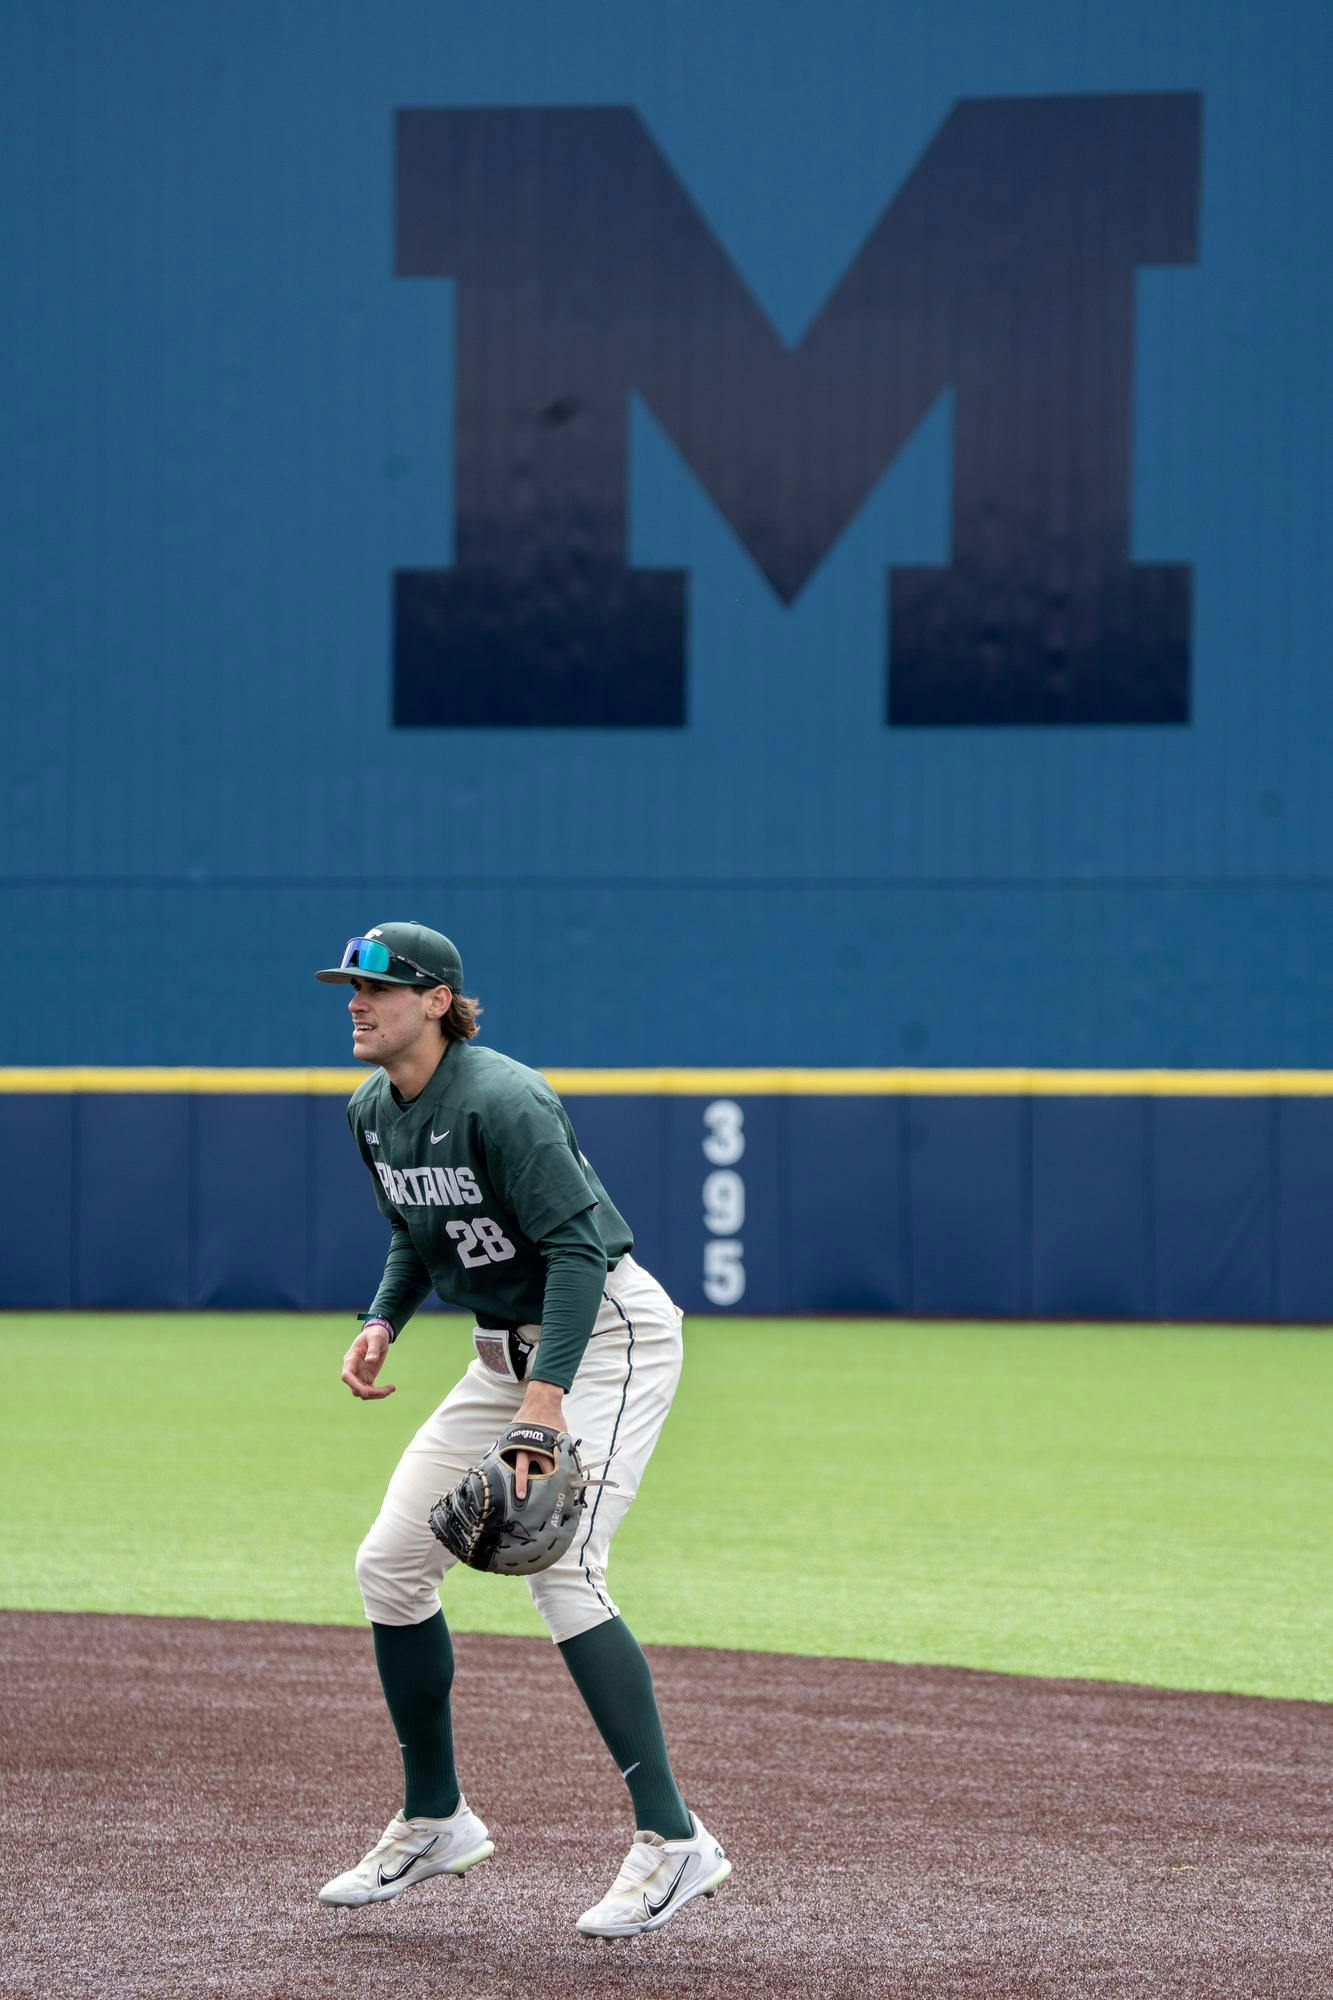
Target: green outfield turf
(1141,1503)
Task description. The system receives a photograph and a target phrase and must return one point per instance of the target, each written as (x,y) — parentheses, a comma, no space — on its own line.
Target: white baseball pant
(617,1406)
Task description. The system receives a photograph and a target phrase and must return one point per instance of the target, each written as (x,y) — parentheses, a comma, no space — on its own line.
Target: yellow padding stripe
(720,1082)
(944,1082)
(209,1082)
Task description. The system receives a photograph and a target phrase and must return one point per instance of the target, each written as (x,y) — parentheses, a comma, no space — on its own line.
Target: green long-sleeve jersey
(490,1201)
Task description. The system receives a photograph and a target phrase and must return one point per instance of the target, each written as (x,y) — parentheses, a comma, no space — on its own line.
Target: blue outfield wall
(780,527)
(1162,1201)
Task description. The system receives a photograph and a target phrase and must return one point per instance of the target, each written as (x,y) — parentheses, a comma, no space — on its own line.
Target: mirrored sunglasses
(372,955)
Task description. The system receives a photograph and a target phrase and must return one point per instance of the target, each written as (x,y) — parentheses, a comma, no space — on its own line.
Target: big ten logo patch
(1003,271)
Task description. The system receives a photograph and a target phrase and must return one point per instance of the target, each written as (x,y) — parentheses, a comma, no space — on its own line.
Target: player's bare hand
(543,1404)
(529,1465)
(362,1363)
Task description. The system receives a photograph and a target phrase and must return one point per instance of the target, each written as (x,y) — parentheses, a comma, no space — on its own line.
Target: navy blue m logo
(1003,269)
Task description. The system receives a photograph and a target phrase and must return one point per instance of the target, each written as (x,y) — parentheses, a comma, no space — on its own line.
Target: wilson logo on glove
(484,1523)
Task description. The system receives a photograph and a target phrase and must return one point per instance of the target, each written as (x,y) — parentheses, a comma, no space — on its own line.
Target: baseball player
(490,1203)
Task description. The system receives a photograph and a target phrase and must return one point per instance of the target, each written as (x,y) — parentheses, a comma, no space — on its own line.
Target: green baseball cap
(398,955)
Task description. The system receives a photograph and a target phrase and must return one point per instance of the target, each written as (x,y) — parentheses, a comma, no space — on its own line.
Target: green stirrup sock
(612,1675)
(416,1664)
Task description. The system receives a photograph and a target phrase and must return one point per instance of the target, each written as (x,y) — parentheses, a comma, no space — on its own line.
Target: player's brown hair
(460,1023)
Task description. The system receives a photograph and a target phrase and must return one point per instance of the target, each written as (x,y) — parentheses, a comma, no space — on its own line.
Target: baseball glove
(485,1525)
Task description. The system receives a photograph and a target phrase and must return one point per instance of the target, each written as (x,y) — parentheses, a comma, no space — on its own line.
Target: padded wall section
(251,1202)
(134,1219)
(1091,1207)
(729,1220)
(1304,1208)
(845,1194)
(968,1204)
(1128,1207)
(37,1200)
(1214,1211)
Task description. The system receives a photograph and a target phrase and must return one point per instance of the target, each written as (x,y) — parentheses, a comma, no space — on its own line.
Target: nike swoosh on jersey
(436,1137)
(410,1862)
(655,1909)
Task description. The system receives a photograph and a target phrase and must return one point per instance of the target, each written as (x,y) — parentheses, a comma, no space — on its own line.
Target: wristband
(366,1324)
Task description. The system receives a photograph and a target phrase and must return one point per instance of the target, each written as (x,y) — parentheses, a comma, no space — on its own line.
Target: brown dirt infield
(174,1792)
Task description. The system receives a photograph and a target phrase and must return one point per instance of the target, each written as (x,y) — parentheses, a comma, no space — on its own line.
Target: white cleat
(658,1878)
(410,1851)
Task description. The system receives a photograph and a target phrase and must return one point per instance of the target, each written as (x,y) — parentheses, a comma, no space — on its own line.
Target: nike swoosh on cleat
(656,1909)
(411,1861)
(436,1137)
